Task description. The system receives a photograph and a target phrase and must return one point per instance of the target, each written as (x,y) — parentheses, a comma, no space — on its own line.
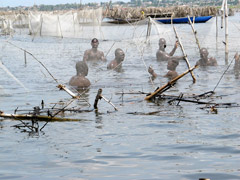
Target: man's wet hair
(117,50)
(82,68)
(94,40)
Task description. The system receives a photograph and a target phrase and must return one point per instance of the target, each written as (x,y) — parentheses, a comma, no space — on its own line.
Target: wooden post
(216,25)
(226,32)
(148,28)
(60,27)
(98,96)
(25,58)
(183,51)
(73,23)
(216,31)
(41,22)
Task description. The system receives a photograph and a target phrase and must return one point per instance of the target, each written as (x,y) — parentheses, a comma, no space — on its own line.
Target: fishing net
(79,24)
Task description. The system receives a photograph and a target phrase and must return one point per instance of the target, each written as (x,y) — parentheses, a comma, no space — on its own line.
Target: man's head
(162,43)
(172,64)
(204,53)
(94,43)
(82,68)
(119,55)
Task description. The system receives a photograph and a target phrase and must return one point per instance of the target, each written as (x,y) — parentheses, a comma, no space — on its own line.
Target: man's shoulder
(87,51)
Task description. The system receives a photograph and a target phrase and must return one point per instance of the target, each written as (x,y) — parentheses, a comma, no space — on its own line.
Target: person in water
(172,65)
(162,55)
(205,60)
(171,74)
(93,54)
(79,80)
(116,64)
(152,72)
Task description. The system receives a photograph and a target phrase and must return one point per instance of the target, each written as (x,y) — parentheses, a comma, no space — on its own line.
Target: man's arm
(174,49)
(103,57)
(85,56)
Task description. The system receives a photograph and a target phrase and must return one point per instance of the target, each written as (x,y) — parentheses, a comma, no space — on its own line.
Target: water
(142,140)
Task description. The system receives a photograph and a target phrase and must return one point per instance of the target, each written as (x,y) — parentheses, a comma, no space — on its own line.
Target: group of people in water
(80,80)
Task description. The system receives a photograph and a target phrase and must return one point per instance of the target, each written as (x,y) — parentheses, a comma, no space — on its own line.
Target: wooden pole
(169,84)
(98,96)
(194,33)
(25,58)
(148,29)
(183,51)
(60,27)
(41,22)
(226,32)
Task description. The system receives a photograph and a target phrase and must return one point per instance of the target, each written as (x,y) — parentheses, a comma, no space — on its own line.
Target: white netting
(80,24)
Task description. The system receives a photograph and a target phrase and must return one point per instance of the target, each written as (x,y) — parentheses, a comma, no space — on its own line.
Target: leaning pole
(224,10)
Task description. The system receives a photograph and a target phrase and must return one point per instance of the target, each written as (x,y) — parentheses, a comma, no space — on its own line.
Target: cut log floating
(38,117)
(168,85)
(183,51)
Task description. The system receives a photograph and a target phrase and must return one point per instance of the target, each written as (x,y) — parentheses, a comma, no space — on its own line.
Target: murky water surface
(142,140)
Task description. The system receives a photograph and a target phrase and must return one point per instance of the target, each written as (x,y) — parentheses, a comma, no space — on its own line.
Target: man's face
(204,53)
(95,44)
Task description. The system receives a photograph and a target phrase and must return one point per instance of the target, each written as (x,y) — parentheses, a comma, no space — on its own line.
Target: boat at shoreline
(181,20)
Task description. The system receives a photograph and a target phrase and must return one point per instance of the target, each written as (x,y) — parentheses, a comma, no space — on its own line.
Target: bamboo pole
(194,33)
(41,21)
(169,84)
(149,29)
(60,27)
(183,51)
(226,32)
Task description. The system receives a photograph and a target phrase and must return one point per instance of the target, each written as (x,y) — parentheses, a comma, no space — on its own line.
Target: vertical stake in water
(73,23)
(25,58)
(60,27)
(225,15)
(41,21)
(148,29)
(216,31)
(226,32)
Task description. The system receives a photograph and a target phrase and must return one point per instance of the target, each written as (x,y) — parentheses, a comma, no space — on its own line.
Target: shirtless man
(205,61)
(172,64)
(117,62)
(93,54)
(171,74)
(162,55)
(80,81)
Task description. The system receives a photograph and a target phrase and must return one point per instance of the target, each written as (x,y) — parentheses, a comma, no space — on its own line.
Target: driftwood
(168,85)
(183,51)
(100,96)
(38,117)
